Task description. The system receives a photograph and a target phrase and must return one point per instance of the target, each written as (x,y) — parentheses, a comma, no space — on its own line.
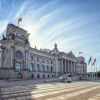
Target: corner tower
(14,48)
(18,34)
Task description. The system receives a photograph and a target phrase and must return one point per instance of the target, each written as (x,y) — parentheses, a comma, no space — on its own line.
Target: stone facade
(19,60)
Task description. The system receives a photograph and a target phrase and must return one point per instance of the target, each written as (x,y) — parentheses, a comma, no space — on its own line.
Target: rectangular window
(42,60)
(38,67)
(47,68)
(31,67)
(47,61)
(51,62)
(37,59)
(18,66)
(51,69)
(31,58)
(43,68)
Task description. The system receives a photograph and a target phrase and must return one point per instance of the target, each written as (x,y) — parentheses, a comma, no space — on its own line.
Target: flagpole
(92,71)
(95,65)
(90,62)
(96,71)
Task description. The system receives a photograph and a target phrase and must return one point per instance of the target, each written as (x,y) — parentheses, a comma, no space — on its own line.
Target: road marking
(54,93)
(46,91)
(69,95)
(40,91)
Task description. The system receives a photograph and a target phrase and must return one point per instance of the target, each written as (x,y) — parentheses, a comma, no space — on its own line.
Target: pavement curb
(0,94)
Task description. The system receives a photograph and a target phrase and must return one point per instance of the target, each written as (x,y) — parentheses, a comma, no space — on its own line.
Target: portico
(67,67)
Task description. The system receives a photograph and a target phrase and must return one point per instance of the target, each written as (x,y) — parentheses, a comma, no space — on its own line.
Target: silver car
(64,79)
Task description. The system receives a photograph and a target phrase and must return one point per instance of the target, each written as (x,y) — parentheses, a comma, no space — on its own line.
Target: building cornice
(41,52)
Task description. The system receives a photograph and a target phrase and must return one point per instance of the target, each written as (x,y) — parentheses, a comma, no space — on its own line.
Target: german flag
(90,59)
(19,21)
(94,62)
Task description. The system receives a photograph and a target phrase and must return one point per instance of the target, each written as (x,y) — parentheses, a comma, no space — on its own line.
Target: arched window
(19,54)
(43,76)
(38,76)
(32,76)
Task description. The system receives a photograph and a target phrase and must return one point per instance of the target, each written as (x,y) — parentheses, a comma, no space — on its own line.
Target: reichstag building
(19,60)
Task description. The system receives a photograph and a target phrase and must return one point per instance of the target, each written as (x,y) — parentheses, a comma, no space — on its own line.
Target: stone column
(11,55)
(26,59)
(65,67)
(71,67)
(74,68)
(62,66)
(68,66)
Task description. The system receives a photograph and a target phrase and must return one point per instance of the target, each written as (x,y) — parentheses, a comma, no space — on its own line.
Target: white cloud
(33,25)
(21,10)
(35,20)
(53,31)
(3,25)
(97,54)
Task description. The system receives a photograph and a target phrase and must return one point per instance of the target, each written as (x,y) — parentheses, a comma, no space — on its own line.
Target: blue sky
(73,24)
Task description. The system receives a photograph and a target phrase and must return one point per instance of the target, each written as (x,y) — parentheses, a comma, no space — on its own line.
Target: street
(52,91)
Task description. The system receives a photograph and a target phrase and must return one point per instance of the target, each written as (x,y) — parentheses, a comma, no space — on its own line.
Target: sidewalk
(34,81)
(0,94)
(22,82)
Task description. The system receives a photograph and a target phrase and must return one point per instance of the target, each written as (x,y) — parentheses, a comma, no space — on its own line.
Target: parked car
(64,79)
(51,80)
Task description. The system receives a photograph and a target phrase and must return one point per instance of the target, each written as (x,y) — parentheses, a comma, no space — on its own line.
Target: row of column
(68,66)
